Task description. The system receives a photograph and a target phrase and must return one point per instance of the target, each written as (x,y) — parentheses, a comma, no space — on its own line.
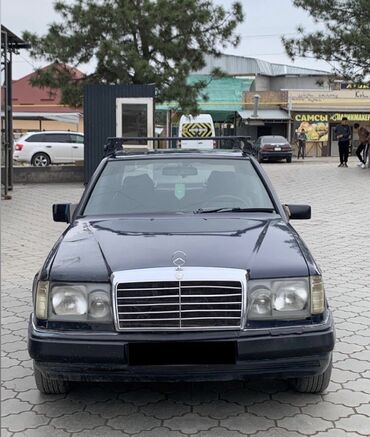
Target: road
(338,236)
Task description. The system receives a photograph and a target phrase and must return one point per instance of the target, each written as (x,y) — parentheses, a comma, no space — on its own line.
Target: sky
(265,22)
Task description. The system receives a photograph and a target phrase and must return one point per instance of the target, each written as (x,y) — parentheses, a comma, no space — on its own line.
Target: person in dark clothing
(302,138)
(342,134)
(363,137)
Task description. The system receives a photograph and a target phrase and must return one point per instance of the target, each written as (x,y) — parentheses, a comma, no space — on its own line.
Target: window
(36,138)
(274,139)
(57,138)
(134,118)
(74,138)
(139,186)
(134,121)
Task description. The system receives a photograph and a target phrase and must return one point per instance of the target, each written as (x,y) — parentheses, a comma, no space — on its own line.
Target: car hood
(90,250)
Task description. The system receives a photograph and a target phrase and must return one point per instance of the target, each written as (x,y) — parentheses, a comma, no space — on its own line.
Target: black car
(176,266)
(273,147)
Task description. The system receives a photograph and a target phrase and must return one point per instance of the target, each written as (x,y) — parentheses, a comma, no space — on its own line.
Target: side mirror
(62,212)
(298,212)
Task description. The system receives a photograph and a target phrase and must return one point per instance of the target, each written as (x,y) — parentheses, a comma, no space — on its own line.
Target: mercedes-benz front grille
(179,305)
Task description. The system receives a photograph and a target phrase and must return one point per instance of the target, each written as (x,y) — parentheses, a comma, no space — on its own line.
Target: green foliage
(345,42)
(135,42)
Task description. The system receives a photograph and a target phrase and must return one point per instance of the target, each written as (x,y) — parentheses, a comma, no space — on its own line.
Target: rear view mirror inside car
(179,170)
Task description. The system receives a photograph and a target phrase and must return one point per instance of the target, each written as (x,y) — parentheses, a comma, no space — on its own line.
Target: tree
(135,42)
(345,42)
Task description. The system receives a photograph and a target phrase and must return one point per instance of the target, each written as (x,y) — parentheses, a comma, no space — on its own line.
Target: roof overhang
(263,115)
(14,41)
(70,117)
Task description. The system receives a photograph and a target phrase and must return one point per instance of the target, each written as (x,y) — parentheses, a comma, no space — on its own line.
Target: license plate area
(181,353)
(277,149)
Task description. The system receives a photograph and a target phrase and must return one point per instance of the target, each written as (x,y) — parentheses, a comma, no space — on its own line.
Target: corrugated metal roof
(240,65)
(224,94)
(265,114)
(26,98)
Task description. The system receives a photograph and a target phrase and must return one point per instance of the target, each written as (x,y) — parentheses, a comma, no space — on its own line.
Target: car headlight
(73,302)
(99,305)
(66,300)
(281,299)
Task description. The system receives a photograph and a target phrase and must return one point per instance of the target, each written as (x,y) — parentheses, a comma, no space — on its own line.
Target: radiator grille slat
(179,305)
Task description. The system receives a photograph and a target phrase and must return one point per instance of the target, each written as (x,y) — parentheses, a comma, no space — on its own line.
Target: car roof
(176,153)
(272,136)
(53,132)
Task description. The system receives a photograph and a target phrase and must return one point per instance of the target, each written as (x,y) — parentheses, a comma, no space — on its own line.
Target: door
(334,149)
(134,118)
(77,142)
(58,147)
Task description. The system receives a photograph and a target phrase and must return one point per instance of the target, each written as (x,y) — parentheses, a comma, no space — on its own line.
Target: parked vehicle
(49,147)
(179,265)
(273,147)
(200,126)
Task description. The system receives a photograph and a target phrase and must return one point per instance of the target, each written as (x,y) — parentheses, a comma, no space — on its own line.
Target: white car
(52,147)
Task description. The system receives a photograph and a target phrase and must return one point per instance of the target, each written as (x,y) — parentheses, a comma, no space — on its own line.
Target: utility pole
(290,118)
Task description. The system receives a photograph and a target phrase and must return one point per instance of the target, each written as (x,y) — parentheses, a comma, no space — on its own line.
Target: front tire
(314,384)
(50,386)
(259,158)
(289,160)
(40,160)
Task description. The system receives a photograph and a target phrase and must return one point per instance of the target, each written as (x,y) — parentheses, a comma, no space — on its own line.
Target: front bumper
(278,352)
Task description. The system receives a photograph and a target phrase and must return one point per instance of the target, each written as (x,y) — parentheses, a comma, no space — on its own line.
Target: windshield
(177,185)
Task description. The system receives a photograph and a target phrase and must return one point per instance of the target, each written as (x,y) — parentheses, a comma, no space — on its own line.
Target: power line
(271,35)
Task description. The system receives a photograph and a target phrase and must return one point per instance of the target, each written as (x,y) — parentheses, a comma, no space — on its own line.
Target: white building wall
(299,82)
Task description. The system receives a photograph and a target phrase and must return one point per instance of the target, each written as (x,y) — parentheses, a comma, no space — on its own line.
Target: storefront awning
(65,117)
(265,115)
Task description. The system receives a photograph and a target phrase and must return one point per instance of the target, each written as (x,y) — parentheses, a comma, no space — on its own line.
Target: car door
(77,142)
(58,147)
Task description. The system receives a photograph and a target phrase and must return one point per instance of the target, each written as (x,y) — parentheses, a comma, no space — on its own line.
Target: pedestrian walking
(302,138)
(362,149)
(342,133)
(367,156)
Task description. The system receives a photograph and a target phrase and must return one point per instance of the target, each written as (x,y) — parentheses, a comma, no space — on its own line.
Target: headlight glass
(99,305)
(80,302)
(281,299)
(68,301)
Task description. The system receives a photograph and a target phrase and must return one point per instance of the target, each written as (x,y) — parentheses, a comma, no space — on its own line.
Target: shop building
(37,109)
(319,112)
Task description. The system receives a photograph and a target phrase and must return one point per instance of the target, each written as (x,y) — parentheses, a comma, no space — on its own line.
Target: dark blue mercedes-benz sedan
(180,265)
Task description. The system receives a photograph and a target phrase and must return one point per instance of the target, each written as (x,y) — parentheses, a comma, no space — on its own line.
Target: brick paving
(338,236)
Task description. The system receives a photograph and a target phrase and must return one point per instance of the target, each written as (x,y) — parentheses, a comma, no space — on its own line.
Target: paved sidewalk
(338,236)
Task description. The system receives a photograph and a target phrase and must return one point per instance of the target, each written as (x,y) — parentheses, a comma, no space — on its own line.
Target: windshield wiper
(209,210)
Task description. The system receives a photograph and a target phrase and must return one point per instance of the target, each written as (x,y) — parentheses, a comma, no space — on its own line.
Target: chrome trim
(168,274)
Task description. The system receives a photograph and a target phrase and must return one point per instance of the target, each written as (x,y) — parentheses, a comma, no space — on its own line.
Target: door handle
(74,147)
(49,147)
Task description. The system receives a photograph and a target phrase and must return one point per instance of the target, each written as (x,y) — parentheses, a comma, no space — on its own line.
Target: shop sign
(351,117)
(341,98)
(337,116)
(316,126)
(353,86)
(311,117)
